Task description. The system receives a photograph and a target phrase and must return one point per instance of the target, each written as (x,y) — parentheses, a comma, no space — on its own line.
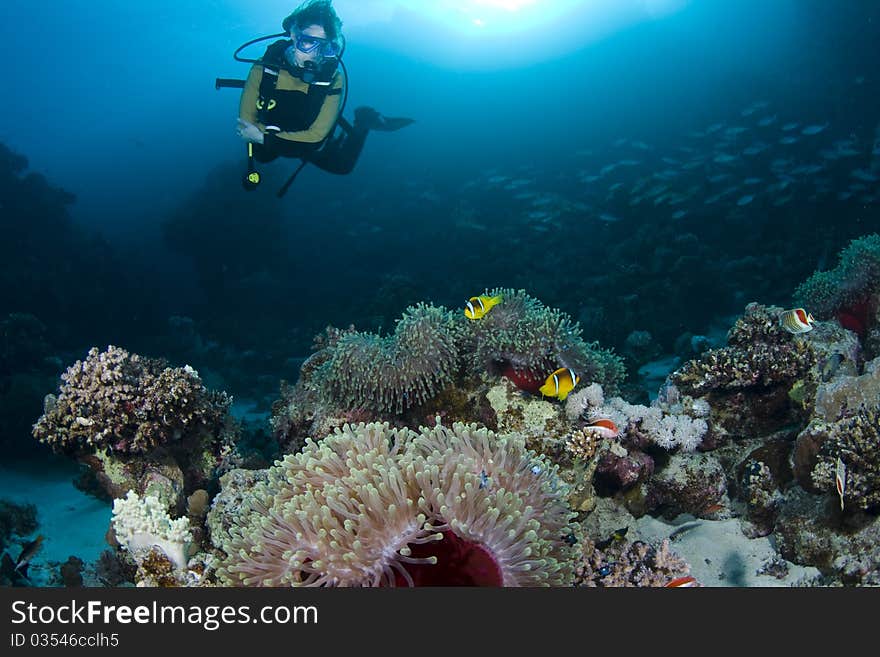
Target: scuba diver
(293,98)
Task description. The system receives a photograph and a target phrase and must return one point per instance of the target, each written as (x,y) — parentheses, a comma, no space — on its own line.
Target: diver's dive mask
(321,66)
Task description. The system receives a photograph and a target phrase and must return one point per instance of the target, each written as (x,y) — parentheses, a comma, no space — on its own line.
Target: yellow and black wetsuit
(297,118)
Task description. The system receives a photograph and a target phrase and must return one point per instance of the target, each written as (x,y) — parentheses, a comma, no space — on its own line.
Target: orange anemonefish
(477,307)
(604,427)
(682,582)
(560,383)
(796,321)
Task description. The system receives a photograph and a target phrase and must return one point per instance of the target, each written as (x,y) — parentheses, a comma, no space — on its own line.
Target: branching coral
(372,506)
(394,372)
(130,404)
(528,341)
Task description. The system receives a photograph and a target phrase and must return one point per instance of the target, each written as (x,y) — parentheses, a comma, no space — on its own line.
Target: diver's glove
(249,132)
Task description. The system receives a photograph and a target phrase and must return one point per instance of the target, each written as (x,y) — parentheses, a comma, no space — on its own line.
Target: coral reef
(855,440)
(629,564)
(688,483)
(371,505)
(845,424)
(138,424)
(122,402)
(438,362)
(760,354)
(847,552)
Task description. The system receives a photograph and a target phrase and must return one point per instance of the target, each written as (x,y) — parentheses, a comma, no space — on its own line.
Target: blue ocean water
(648,167)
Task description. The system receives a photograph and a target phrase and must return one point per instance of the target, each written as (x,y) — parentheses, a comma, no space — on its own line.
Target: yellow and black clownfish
(477,307)
(560,383)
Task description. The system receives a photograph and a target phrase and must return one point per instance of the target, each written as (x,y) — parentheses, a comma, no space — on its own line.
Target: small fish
(604,427)
(484,480)
(712,509)
(814,129)
(828,368)
(796,321)
(477,307)
(560,383)
(27,553)
(605,570)
(866,176)
(682,582)
(788,140)
(789,126)
(745,200)
(840,479)
(616,535)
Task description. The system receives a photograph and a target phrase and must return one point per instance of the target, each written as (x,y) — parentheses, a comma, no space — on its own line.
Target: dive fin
(392,123)
(368,118)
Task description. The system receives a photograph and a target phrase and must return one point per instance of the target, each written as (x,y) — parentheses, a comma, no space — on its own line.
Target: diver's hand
(249,132)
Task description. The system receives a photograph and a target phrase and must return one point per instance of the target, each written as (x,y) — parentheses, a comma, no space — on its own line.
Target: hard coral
(372,506)
(129,404)
(759,354)
(855,439)
(625,564)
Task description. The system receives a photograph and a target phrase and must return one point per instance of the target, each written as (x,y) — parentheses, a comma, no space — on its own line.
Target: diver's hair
(315,12)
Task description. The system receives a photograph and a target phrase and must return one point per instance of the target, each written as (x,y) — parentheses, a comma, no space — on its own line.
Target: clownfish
(796,321)
(560,383)
(604,427)
(477,307)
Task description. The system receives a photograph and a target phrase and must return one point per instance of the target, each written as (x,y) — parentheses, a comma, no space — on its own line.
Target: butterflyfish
(840,479)
(796,321)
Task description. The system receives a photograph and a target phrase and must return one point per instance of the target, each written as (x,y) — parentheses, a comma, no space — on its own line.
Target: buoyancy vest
(287,110)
